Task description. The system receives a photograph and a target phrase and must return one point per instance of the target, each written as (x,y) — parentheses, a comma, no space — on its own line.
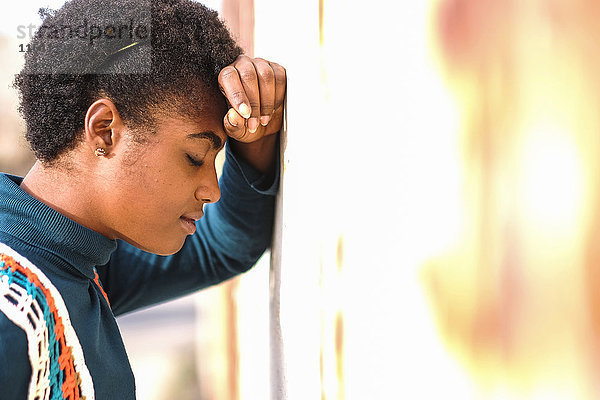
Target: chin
(164,247)
(162,250)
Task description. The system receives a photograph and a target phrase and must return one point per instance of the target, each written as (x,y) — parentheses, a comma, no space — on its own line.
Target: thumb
(235,124)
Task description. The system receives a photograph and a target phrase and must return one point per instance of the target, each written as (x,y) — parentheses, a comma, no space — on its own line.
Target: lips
(194,216)
(189,221)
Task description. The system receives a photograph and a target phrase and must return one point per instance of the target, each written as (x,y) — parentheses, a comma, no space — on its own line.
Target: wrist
(259,154)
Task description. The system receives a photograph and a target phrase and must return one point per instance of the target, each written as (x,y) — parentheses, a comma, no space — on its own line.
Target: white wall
(371,148)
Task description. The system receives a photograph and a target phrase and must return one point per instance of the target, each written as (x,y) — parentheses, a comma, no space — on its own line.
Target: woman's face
(156,191)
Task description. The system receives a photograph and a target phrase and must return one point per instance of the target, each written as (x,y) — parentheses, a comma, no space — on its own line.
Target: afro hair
(139,54)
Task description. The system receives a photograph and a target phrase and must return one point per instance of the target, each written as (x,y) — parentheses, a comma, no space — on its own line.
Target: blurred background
(438,220)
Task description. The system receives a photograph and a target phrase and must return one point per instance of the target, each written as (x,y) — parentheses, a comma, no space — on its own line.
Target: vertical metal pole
(277,373)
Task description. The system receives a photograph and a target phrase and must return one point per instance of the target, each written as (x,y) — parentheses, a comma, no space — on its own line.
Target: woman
(125,112)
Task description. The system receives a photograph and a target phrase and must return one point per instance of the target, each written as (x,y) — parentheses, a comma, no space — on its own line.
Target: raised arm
(230,238)
(236,230)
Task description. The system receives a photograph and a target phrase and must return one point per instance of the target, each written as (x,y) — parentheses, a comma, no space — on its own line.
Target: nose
(208,191)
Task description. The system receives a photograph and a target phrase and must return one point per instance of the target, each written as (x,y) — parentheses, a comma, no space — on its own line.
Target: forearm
(259,154)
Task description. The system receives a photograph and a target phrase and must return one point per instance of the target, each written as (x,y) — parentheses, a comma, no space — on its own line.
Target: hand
(255,89)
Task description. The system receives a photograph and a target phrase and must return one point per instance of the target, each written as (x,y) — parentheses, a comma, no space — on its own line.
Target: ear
(103,126)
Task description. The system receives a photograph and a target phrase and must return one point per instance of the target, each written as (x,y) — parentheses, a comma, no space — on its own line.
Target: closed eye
(194,162)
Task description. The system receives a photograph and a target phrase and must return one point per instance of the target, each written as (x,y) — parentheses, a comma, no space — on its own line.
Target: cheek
(154,192)
(151,195)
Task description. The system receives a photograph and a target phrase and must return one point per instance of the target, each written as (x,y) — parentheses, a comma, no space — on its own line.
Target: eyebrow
(210,135)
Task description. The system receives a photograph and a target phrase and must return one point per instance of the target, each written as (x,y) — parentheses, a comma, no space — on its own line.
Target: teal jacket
(75,349)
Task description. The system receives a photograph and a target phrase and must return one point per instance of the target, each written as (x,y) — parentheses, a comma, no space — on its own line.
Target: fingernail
(230,117)
(264,120)
(244,110)
(253,124)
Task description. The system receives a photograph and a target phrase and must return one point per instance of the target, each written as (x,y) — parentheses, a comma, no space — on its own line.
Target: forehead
(207,125)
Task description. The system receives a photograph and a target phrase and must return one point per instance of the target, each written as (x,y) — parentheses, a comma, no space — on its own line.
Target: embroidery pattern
(97,282)
(28,298)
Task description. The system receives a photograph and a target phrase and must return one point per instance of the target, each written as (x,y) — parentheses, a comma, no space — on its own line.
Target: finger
(249,80)
(235,125)
(280,84)
(231,85)
(276,122)
(266,85)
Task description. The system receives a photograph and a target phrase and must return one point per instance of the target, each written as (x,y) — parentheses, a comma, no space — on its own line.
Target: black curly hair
(142,55)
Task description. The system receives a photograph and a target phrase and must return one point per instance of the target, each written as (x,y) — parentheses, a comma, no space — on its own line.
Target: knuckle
(242,135)
(266,108)
(281,74)
(266,73)
(229,126)
(281,81)
(282,69)
(248,74)
(227,72)
(238,97)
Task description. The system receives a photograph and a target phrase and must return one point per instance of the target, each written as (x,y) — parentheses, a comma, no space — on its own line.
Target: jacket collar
(28,219)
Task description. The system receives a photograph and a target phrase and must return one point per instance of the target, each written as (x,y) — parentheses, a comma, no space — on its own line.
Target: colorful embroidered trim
(28,298)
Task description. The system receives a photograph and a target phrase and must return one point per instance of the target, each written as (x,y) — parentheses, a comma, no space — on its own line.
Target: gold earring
(100,152)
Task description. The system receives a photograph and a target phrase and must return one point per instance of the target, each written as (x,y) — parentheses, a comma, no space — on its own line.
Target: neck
(68,194)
